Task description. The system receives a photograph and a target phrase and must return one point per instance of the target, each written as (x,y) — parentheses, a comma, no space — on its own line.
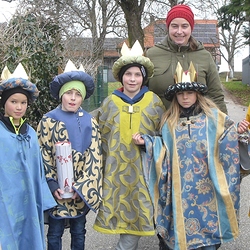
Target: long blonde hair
(172,115)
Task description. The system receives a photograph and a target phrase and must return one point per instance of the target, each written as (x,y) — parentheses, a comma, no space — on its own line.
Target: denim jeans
(77,231)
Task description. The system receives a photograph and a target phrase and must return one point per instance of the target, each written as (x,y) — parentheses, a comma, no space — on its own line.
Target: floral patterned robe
(193,178)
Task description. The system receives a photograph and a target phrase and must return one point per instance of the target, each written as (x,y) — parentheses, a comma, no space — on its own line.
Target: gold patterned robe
(126,206)
(87,164)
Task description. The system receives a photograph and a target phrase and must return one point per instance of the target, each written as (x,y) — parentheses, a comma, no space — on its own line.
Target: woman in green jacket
(180,46)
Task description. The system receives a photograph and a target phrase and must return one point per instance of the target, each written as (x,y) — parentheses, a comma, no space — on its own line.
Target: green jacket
(165,56)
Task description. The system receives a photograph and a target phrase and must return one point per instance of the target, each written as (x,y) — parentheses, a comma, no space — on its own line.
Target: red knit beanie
(181,11)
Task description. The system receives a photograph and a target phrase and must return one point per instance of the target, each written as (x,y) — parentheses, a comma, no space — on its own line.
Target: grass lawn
(239,90)
(112,86)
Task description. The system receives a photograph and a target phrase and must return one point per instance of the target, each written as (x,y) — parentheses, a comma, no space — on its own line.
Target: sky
(242,54)
(8,9)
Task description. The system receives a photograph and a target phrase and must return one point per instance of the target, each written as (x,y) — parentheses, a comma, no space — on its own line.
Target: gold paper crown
(19,72)
(185,76)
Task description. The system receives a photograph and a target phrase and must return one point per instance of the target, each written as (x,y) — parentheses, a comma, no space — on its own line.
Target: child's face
(71,100)
(186,98)
(132,81)
(16,106)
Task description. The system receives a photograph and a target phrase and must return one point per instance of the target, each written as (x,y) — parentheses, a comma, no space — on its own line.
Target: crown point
(5,73)
(70,66)
(125,49)
(19,72)
(81,68)
(136,49)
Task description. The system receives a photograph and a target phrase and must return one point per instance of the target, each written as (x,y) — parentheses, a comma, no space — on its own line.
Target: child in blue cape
(24,193)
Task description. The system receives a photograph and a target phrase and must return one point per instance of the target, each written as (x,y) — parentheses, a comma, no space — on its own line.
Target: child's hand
(138,140)
(75,196)
(243,126)
(57,194)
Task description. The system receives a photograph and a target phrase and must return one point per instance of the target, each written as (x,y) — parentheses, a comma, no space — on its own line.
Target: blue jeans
(77,231)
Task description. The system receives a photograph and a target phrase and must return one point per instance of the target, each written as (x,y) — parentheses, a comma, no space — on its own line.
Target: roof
(205,31)
(84,44)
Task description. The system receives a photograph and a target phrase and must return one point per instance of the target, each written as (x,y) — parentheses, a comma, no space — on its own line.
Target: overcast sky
(6,10)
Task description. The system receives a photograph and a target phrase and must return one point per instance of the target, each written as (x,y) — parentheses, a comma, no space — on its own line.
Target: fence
(102,90)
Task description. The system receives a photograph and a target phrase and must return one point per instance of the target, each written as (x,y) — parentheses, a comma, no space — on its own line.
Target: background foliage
(34,43)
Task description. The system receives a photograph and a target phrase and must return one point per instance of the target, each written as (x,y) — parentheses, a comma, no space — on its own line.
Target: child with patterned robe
(193,169)
(69,122)
(126,208)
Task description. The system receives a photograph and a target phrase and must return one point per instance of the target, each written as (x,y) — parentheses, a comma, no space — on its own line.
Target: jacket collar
(168,44)
(8,121)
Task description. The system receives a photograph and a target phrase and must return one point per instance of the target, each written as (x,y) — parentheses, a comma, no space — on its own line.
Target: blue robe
(24,193)
(193,176)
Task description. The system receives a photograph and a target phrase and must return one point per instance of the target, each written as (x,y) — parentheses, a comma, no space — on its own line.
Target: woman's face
(179,31)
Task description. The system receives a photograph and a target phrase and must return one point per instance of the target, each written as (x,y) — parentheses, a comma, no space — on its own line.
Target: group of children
(142,167)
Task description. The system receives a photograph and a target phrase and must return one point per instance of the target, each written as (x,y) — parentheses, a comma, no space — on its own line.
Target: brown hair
(193,43)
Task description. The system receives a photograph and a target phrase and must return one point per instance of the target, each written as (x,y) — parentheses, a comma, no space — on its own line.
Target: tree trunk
(133,15)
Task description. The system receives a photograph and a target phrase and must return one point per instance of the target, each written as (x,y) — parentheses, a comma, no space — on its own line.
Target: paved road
(97,241)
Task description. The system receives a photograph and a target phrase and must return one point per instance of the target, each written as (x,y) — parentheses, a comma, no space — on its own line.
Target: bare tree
(100,18)
(137,11)
(80,18)
(230,38)
(133,10)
